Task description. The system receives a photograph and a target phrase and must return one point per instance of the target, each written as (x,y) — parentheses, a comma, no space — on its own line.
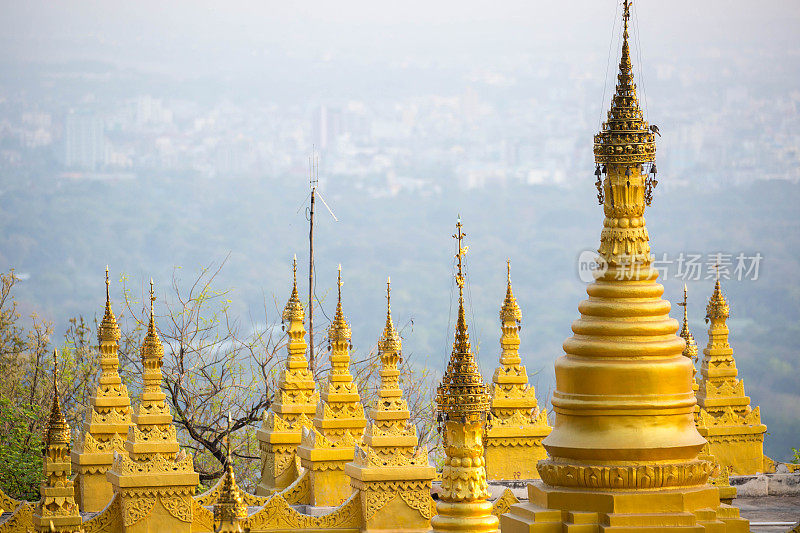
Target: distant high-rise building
(84,141)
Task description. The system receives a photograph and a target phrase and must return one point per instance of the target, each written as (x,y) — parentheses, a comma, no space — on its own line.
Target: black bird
(654,129)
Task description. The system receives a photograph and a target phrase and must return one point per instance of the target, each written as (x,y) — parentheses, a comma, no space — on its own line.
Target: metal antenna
(313,183)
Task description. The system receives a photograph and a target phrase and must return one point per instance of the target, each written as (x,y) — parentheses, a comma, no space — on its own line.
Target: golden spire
(109,330)
(294,308)
(230,508)
(58,432)
(152,350)
(390,341)
(462,395)
(626,138)
(717,307)
(510,310)
(339,330)
(691,346)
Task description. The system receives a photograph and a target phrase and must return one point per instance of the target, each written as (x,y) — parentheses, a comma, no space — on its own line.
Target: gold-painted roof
(691,346)
(58,432)
(294,308)
(462,394)
(717,306)
(109,330)
(390,340)
(625,137)
(339,330)
(152,347)
(510,310)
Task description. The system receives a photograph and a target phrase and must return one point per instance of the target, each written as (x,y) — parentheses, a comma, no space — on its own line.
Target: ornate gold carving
(277,514)
(106,521)
(136,508)
(178,506)
(649,476)
(502,504)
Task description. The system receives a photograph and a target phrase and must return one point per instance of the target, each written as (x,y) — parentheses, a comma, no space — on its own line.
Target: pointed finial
(294,308)
(691,346)
(108,288)
(388,296)
(510,310)
(389,342)
(717,306)
(55,371)
(339,283)
(462,251)
(625,137)
(461,396)
(57,430)
(228,440)
(339,330)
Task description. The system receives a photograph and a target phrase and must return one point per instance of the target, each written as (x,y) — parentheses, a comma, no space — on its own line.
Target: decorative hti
(57,510)
(155,480)
(517,426)
(107,420)
(733,429)
(462,402)
(624,447)
(294,405)
(390,470)
(338,423)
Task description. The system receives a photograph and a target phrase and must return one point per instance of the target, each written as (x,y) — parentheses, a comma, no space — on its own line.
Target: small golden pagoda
(107,420)
(57,510)
(462,401)
(690,351)
(391,470)
(719,475)
(623,453)
(733,429)
(339,422)
(293,408)
(516,427)
(230,509)
(155,480)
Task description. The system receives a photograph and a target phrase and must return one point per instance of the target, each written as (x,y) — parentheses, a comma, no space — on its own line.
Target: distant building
(84,141)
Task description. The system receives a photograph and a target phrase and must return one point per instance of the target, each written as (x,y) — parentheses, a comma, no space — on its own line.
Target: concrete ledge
(766,485)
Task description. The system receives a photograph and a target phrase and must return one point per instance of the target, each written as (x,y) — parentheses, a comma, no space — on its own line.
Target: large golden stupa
(623,453)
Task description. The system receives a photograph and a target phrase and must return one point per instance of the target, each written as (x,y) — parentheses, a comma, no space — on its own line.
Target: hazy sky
(204,34)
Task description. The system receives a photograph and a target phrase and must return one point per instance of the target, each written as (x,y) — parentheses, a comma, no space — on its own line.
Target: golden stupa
(733,429)
(623,453)
(517,426)
(462,402)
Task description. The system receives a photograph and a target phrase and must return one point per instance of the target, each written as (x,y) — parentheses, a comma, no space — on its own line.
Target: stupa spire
(390,341)
(107,421)
(338,422)
(230,509)
(462,402)
(691,346)
(294,405)
(153,452)
(56,509)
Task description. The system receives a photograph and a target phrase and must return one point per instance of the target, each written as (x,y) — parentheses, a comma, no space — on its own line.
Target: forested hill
(58,234)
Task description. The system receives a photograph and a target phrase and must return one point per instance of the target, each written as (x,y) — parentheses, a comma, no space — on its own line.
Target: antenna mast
(313,180)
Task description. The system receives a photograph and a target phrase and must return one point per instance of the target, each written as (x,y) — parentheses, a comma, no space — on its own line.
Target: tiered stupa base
(512,453)
(564,510)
